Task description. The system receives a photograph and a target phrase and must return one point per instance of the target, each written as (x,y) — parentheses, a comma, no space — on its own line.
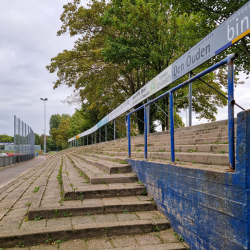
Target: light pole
(45,99)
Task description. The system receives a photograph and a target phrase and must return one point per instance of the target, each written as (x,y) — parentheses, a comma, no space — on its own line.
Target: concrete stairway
(199,146)
(93,202)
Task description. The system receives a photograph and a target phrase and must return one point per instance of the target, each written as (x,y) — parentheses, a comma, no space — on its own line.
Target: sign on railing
(229,32)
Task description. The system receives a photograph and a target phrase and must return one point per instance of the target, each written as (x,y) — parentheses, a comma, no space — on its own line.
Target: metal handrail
(228,60)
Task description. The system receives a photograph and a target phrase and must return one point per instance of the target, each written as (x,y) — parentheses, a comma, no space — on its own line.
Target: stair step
(198,157)
(97,176)
(35,232)
(106,191)
(109,166)
(93,206)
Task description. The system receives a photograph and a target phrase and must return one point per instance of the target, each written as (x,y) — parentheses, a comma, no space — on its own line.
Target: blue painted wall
(209,209)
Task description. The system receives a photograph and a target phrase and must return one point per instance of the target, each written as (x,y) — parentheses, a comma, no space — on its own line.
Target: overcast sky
(27,43)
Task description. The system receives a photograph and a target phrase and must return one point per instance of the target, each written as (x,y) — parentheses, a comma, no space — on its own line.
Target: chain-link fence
(24,145)
(24,141)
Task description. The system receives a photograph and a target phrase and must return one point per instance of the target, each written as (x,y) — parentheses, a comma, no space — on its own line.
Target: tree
(55,120)
(152,36)
(6,138)
(61,134)
(41,141)
(123,44)
(51,145)
(216,12)
(37,139)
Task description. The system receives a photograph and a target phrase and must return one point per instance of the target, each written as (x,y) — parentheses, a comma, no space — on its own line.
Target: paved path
(11,173)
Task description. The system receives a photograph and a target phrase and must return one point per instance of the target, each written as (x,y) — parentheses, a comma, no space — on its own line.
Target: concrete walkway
(9,174)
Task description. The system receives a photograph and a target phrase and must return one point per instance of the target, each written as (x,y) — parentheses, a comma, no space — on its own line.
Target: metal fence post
(148,116)
(145,134)
(105,132)
(95,137)
(28,149)
(14,139)
(100,135)
(25,142)
(190,100)
(129,137)
(22,141)
(92,138)
(114,129)
(231,145)
(18,140)
(87,140)
(172,125)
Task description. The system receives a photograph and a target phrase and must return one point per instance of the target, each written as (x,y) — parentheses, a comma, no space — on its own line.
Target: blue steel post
(231,149)
(129,138)
(172,125)
(145,134)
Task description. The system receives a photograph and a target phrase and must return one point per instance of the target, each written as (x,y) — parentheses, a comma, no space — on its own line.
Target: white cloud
(28,42)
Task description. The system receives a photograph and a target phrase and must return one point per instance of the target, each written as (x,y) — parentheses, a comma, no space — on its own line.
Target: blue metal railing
(231,102)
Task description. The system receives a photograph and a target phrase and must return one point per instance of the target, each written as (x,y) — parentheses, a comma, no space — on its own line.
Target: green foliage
(55,121)
(36,189)
(37,218)
(49,238)
(122,46)
(179,237)
(56,212)
(28,204)
(156,228)
(214,13)
(50,143)
(20,244)
(6,138)
(125,211)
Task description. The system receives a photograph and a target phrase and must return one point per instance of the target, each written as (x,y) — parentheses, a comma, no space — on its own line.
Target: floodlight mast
(44,99)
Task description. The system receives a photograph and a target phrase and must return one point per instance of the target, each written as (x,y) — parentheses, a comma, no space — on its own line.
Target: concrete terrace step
(39,210)
(105,157)
(163,240)
(109,166)
(98,176)
(93,207)
(216,148)
(35,232)
(74,186)
(198,157)
(178,141)
(105,191)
